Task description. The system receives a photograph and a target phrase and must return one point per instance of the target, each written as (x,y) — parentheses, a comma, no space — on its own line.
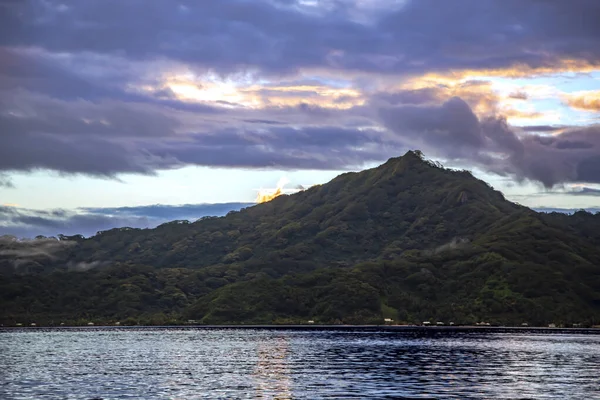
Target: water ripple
(266,364)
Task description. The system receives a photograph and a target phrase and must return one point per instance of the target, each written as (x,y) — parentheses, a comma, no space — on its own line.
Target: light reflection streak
(272,372)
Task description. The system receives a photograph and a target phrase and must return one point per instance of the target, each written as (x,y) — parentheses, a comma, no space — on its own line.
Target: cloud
(572,156)
(35,248)
(169,212)
(586,191)
(23,253)
(575,191)
(85,266)
(277,37)
(519,95)
(92,77)
(478,94)
(566,210)
(586,101)
(5,182)
(455,243)
(22,222)
(79,137)
(107,87)
(542,128)
(452,125)
(109,137)
(453,131)
(263,121)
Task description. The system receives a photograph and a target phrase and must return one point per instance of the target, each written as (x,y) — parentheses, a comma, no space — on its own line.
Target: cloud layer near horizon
(108,87)
(27,223)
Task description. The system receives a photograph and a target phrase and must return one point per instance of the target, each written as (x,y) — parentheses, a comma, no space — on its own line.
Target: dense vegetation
(408,240)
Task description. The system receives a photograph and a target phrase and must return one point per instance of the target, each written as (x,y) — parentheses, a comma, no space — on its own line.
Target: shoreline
(304,327)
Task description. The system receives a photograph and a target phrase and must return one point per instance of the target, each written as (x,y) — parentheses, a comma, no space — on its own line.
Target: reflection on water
(196,363)
(272,371)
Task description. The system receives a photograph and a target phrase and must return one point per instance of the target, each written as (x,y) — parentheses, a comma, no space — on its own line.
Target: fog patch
(454,244)
(85,266)
(24,251)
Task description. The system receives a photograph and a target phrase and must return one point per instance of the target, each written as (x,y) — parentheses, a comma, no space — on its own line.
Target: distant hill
(408,240)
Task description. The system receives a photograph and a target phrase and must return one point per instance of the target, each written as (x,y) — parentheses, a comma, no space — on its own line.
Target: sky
(133,113)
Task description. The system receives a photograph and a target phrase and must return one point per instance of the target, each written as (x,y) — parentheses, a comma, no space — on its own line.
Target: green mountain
(408,240)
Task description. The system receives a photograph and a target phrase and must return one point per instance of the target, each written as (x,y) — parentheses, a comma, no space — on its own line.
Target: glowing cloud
(245,92)
(206,92)
(269,194)
(293,95)
(486,96)
(586,101)
(520,70)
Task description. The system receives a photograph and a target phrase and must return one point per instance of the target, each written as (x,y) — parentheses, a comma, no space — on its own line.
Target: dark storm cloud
(87,221)
(228,35)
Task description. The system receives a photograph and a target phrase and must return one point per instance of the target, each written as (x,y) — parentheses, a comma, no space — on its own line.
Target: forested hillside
(408,240)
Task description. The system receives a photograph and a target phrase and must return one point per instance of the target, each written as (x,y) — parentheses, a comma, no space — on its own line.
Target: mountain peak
(412,158)
(416,155)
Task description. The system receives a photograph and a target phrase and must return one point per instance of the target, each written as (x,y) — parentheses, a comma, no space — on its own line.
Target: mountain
(408,240)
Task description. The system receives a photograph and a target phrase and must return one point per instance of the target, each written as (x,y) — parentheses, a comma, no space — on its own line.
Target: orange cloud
(315,95)
(521,70)
(586,101)
(484,97)
(209,89)
(478,94)
(518,70)
(513,113)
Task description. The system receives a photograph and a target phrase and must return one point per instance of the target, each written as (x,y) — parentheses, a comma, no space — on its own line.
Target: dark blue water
(204,363)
